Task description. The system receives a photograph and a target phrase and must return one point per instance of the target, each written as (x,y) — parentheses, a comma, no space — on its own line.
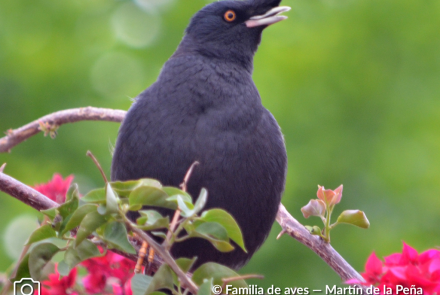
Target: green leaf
(150,182)
(140,283)
(51,213)
(62,226)
(187,211)
(214,230)
(74,256)
(206,287)
(151,215)
(39,257)
(152,220)
(57,222)
(217,272)
(87,250)
(185,264)
(115,234)
(68,207)
(96,196)
(314,230)
(112,204)
(77,217)
(173,192)
(212,233)
(354,217)
(72,192)
(141,220)
(41,233)
(163,279)
(201,201)
(63,269)
(150,196)
(159,234)
(124,188)
(186,200)
(102,209)
(88,225)
(23,269)
(228,222)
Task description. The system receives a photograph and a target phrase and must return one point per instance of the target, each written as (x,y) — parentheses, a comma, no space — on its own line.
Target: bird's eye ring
(230,16)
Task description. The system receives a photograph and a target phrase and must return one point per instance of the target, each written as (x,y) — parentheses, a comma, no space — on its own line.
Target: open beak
(269,18)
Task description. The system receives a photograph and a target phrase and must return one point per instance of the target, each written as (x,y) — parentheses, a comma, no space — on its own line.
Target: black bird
(205,107)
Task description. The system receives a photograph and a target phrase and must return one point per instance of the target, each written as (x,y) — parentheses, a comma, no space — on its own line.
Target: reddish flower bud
(313,208)
(330,197)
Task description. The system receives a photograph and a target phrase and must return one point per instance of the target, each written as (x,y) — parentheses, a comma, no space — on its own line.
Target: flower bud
(313,208)
(330,197)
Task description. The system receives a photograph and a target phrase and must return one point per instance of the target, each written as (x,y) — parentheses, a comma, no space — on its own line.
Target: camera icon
(27,286)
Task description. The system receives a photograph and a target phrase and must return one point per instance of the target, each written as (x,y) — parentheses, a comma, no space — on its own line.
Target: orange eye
(230,16)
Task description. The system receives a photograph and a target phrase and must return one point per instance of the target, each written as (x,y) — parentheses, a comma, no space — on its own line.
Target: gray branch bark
(54,120)
(323,249)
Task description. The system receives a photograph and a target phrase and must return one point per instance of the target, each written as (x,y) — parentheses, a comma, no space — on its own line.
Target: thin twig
(14,137)
(186,281)
(92,156)
(176,216)
(324,250)
(38,201)
(184,184)
(2,168)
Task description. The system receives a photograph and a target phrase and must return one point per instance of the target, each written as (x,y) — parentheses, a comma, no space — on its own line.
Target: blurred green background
(354,84)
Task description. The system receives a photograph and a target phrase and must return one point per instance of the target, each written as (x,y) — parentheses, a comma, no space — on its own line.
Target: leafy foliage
(100,216)
(323,207)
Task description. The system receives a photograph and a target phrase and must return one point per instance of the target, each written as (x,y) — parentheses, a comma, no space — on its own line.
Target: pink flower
(55,189)
(57,286)
(408,269)
(330,197)
(101,269)
(95,282)
(126,290)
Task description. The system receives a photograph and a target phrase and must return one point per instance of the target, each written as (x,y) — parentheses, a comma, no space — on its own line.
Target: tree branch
(324,250)
(54,120)
(185,280)
(25,194)
(38,201)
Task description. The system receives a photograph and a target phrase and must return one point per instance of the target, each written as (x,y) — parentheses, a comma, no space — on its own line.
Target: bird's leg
(145,248)
(142,254)
(151,254)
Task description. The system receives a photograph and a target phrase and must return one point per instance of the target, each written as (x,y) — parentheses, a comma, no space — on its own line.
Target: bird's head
(232,29)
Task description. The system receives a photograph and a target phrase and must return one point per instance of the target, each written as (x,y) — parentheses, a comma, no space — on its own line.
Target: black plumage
(205,107)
